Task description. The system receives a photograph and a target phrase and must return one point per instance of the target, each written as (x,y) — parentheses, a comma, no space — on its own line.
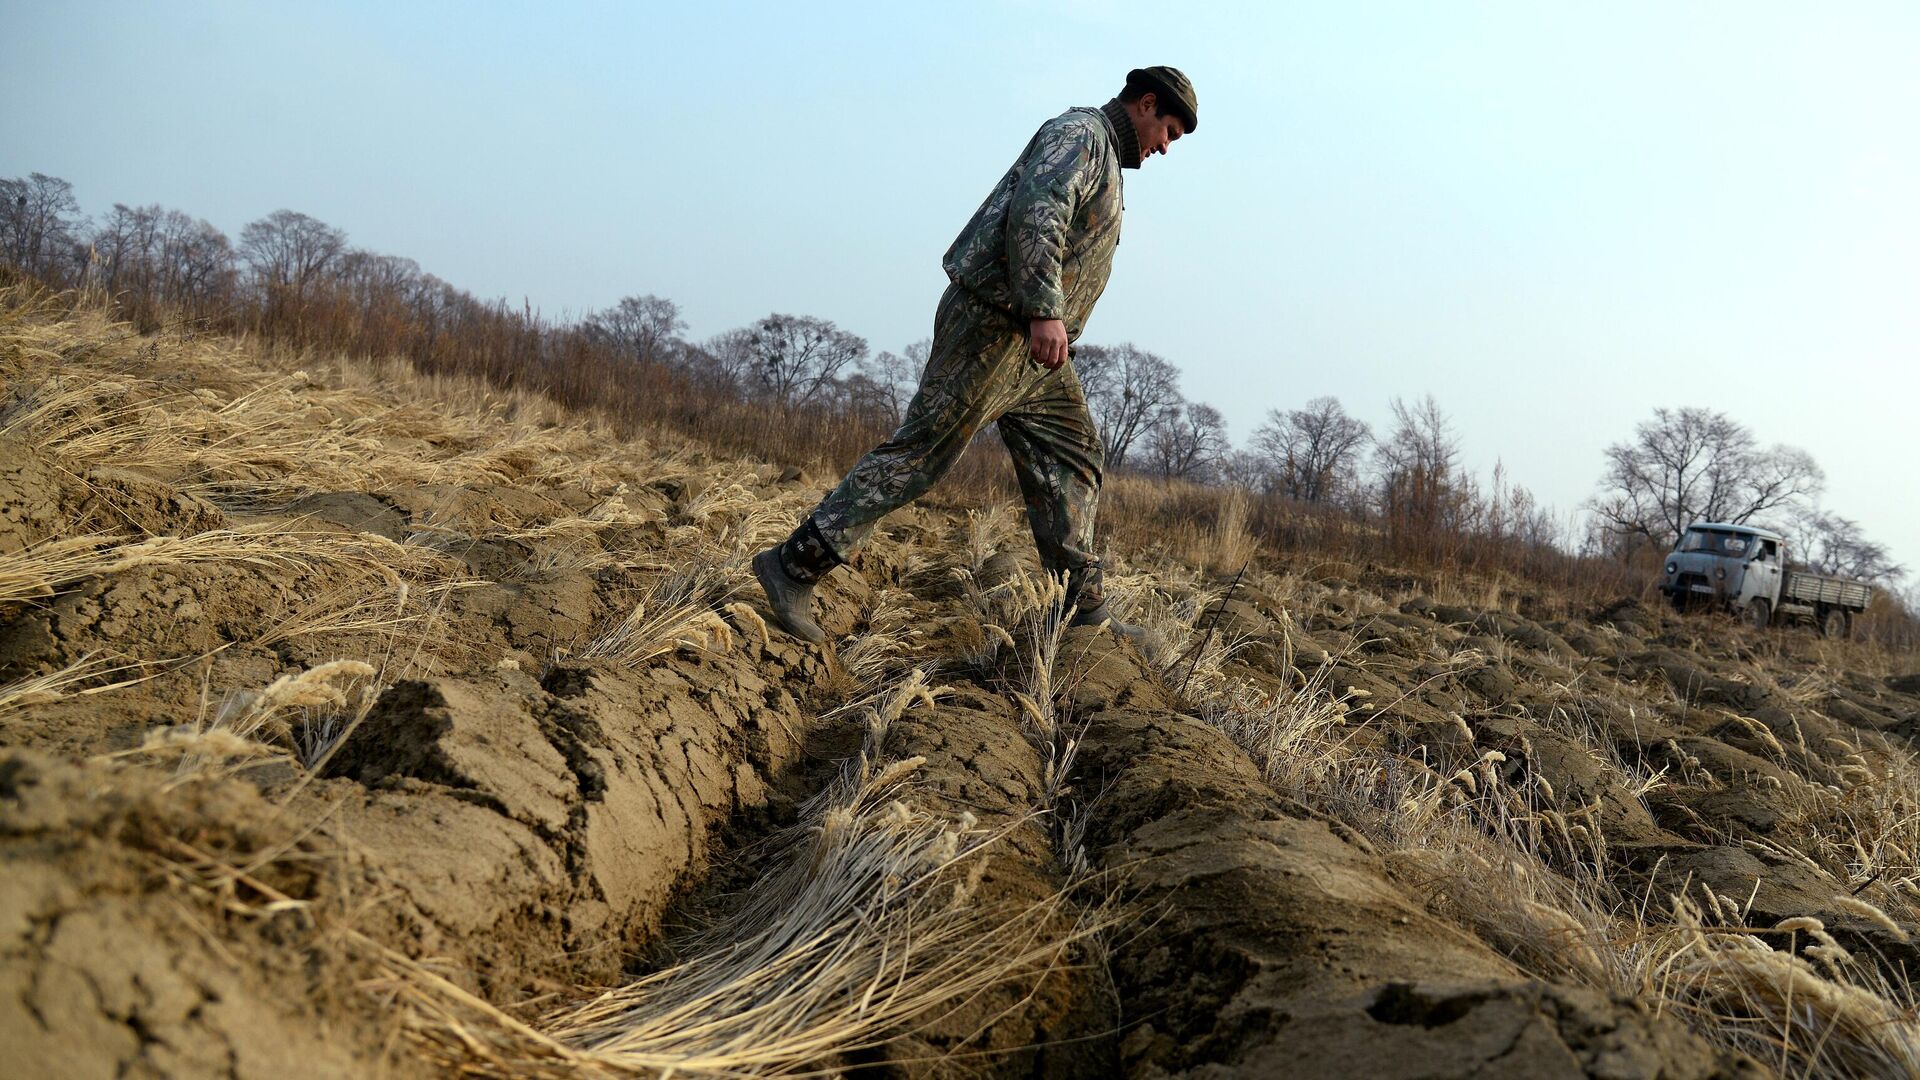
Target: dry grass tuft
(1842,1018)
(875,653)
(678,612)
(71,681)
(1865,831)
(867,926)
(251,727)
(41,570)
(1052,733)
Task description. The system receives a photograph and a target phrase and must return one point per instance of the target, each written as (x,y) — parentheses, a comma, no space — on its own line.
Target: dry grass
(1804,1006)
(1178,609)
(875,654)
(1054,734)
(716,534)
(251,727)
(1296,738)
(246,438)
(861,929)
(43,569)
(87,392)
(866,926)
(73,681)
(1511,863)
(1206,529)
(677,612)
(1864,830)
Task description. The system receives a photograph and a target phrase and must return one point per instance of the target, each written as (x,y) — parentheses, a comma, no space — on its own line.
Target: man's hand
(1047,338)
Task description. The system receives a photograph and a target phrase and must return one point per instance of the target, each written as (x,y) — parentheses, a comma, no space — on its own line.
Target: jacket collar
(1124,137)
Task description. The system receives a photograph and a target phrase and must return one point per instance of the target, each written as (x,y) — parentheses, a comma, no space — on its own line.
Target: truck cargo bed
(1806,588)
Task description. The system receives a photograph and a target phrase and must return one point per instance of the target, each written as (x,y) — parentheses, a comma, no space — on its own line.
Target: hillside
(357,723)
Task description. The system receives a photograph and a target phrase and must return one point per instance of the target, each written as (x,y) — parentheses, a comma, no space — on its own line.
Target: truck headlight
(1672,569)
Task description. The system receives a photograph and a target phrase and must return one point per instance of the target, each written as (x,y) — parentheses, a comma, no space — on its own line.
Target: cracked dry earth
(515,798)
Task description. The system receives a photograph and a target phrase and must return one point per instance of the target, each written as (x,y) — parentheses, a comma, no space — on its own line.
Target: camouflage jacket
(1041,246)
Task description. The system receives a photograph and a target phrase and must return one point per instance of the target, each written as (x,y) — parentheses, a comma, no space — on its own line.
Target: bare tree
(1242,469)
(1831,544)
(888,380)
(723,363)
(1512,513)
(796,358)
(123,248)
(149,256)
(39,224)
(1311,453)
(1422,495)
(1693,464)
(1127,388)
(378,291)
(644,328)
(368,275)
(289,251)
(1187,442)
(196,260)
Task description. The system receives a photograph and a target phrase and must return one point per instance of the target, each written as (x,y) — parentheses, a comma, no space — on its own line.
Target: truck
(1745,570)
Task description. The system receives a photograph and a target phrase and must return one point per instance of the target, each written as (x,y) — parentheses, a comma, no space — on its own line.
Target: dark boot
(788,572)
(1086,594)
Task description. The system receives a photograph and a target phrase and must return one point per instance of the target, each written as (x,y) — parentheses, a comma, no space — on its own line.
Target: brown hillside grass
(474,344)
(1338,674)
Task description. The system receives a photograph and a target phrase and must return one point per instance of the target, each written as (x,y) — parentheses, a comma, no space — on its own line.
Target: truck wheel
(1758,614)
(1835,623)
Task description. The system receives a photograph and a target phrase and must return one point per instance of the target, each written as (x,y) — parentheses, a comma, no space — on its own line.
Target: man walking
(1024,274)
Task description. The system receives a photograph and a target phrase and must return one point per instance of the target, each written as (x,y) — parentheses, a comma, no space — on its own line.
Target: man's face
(1156,132)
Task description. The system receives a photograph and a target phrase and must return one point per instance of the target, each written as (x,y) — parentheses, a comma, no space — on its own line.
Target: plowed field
(356,724)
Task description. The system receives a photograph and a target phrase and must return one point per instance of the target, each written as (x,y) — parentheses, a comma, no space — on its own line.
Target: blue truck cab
(1744,569)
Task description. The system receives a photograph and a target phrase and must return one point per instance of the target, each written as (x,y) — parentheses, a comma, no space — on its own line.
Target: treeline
(295,282)
(799,389)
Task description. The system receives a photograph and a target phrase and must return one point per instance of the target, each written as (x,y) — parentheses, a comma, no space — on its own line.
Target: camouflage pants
(979,372)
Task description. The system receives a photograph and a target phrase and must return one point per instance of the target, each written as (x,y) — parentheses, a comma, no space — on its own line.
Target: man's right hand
(1047,339)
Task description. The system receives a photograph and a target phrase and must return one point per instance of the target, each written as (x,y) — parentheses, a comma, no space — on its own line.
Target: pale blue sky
(1553,218)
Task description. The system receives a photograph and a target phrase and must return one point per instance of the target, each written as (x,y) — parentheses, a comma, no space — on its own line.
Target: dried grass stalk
(867,927)
(677,612)
(41,570)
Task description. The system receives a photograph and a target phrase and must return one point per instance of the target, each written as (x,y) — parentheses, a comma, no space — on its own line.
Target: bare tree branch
(1693,464)
(796,358)
(1310,453)
(645,328)
(1128,389)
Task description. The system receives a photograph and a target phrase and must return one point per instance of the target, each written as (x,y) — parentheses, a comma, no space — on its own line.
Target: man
(1024,274)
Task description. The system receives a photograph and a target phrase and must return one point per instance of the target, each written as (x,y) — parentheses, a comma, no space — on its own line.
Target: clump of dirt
(148,930)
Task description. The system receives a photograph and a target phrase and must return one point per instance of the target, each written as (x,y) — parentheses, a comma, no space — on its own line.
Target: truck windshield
(1716,542)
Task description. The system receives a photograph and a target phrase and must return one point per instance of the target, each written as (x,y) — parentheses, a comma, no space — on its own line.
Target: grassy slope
(329,687)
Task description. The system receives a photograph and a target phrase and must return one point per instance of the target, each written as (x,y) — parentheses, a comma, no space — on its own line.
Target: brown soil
(530,823)
(1286,949)
(1064,1026)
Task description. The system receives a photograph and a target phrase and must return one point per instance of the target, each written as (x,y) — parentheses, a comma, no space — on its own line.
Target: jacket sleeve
(1060,171)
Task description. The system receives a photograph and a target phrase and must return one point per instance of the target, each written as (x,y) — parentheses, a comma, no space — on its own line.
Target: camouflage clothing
(1041,246)
(979,372)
